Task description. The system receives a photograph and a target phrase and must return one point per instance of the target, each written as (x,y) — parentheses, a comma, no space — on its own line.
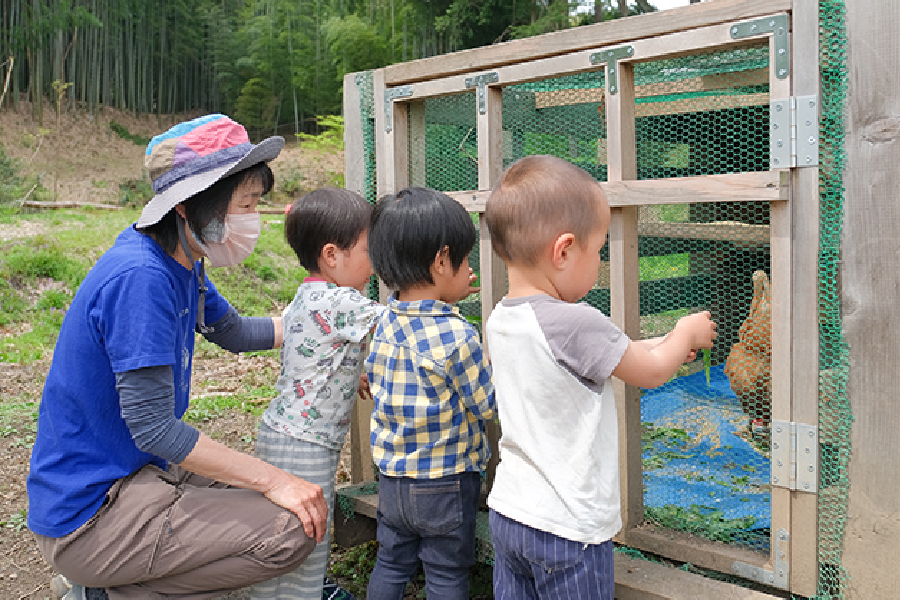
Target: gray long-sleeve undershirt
(147,395)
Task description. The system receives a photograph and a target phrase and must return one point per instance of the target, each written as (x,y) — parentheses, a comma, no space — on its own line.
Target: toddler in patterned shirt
(325,329)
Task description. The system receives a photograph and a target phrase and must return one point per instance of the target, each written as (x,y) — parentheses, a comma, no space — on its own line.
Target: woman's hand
(218,462)
(304,499)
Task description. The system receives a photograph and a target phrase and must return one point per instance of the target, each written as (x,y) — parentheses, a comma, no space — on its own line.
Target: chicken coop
(748,150)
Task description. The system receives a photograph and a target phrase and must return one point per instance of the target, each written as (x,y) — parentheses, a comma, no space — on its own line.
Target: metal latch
(611,58)
(794,137)
(779,576)
(795,456)
(481,81)
(390,94)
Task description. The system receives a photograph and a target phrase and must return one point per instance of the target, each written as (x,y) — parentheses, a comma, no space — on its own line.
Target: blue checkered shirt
(433,392)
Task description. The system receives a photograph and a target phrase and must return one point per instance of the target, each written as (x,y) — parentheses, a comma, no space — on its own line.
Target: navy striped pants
(531,564)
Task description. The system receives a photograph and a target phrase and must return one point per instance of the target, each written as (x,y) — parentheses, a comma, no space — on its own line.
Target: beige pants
(178,535)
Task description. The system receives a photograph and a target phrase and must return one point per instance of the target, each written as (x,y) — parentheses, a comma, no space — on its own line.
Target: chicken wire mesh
(705,434)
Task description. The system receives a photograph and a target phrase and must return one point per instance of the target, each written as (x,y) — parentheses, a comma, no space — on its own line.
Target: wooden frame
(791,193)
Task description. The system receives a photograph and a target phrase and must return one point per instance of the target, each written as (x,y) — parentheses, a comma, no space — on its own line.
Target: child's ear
(441,261)
(328,256)
(561,248)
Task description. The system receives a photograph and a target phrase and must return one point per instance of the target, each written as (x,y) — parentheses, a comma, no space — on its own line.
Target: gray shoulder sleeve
(583,340)
(147,402)
(242,334)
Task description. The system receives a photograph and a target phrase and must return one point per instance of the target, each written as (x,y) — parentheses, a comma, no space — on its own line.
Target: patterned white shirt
(322,355)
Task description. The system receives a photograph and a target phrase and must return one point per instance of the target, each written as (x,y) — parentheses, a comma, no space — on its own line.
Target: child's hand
(692,355)
(701,328)
(364,390)
(473,279)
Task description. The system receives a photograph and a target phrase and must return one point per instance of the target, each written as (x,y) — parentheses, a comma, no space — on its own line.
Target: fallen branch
(22,203)
(31,593)
(11,62)
(69,204)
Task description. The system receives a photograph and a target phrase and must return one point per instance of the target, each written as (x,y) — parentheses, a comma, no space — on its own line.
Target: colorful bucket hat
(193,155)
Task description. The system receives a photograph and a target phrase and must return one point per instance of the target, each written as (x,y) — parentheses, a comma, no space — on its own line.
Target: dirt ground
(81,159)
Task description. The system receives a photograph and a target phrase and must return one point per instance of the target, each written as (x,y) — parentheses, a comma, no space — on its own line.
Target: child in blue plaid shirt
(433,393)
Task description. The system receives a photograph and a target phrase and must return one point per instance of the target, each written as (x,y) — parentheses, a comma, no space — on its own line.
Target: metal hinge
(779,576)
(794,137)
(795,456)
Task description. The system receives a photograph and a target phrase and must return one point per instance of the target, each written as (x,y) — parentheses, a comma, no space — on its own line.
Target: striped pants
(530,564)
(316,464)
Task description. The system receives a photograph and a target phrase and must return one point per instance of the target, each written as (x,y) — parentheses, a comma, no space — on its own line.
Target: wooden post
(780,230)
(804,323)
(354,177)
(493,271)
(418,149)
(623,283)
(868,297)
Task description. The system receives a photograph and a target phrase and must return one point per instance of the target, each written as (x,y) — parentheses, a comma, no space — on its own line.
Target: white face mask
(236,239)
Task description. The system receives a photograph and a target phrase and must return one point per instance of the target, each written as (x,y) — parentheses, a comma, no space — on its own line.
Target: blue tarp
(697,454)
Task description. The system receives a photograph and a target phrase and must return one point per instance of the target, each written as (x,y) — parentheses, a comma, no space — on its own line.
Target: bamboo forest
(271,64)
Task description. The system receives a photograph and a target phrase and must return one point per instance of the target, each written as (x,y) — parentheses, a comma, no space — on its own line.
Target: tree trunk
(623,8)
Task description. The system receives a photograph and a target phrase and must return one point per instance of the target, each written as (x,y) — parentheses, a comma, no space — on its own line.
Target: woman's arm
(245,334)
(219,462)
(147,398)
(279,332)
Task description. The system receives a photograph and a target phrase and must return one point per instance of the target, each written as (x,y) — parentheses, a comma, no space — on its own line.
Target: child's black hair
(325,216)
(204,206)
(408,230)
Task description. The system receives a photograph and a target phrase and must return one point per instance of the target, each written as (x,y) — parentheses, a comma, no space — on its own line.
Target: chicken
(749,364)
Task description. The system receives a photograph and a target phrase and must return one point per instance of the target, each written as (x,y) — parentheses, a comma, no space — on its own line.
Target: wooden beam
(723,231)
(644,580)
(579,38)
(691,549)
(705,83)
(700,104)
(761,186)
(671,45)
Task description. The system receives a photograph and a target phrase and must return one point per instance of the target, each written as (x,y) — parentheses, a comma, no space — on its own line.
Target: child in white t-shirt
(555,498)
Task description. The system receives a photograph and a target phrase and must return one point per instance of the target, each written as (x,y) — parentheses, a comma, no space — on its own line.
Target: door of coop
(677,128)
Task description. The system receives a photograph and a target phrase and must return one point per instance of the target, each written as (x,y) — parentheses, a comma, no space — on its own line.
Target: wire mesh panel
(443,155)
(835,410)
(562,116)
(443,143)
(703,114)
(705,440)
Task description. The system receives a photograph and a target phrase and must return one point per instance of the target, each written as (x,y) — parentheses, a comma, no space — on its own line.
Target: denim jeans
(531,564)
(427,520)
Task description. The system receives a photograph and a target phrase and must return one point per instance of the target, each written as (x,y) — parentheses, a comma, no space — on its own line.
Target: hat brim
(162,203)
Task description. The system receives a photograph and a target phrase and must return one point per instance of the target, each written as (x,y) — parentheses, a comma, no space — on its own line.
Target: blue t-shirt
(136,308)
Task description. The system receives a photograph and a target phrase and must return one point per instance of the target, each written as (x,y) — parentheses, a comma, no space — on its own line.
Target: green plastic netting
(705,434)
